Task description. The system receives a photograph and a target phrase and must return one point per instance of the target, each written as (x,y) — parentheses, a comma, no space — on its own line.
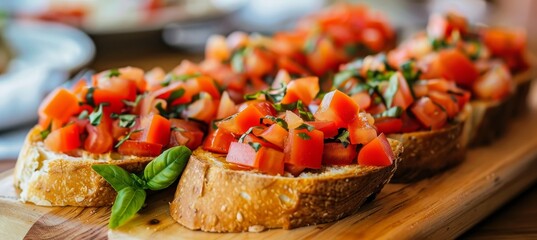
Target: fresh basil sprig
(160,173)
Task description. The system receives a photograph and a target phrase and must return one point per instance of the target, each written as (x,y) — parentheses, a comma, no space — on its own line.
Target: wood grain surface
(441,207)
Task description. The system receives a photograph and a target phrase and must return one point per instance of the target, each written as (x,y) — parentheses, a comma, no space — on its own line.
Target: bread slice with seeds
(212,196)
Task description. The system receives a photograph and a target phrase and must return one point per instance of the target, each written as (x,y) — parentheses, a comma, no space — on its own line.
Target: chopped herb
(161,110)
(304,136)
(135,103)
(172,78)
(175,95)
(343,137)
(278,121)
(342,76)
(352,50)
(390,92)
(237,60)
(243,136)
(273,95)
(113,73)
(304,112)
(96,116)
(127,120)
(395,112)
(89,96)
(305,126)
(255,146)
(83,115)
(46,132)
(411,73)
(438,44)
(126,137)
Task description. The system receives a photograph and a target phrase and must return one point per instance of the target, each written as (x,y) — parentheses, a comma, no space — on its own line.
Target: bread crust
(214,198)
(429,152)
(56,179)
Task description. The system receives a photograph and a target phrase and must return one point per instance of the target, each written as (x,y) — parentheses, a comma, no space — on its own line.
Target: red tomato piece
(304,89)
(207,85)
(61,104)
(389,125)
(64,139)
(203,109)
(403,97)
(447,101)
(304,148)
(242,154)
(141,149)
(270,161)
(156,129)
(245,119)
(495,84)
(376,153)
(275,134)
(99,139)
(338,154)
(219,141)
(329,129)
(429,114)
(361,131)
(216,48)
(226,107)
(185,133)
(363,99)
(337,107)
(453,65)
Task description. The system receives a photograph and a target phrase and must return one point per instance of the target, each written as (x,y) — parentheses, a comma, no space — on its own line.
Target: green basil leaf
(304,136)
(116,176)
(89,96)
(46,132)
(341,77)
(391,90)
(256,146)
(343,137)
(136,101)
(113,73)
(176,94)
(305,126)
(128,202)
(279,121)
(126,138)
(96,116)
(127,120)
(166,168)
(83,115)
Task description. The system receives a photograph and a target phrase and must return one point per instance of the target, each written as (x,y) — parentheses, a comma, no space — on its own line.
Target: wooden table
(517,219)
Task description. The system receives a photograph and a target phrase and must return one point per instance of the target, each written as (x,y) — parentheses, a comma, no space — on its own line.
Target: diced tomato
(99,139)
(154,78)
(61,104)
(362,99)
(429,114)
(113,103)
(329,129)
(141,149)
(377,153)
(203,109)
(156,129)
(286,63)
(123,88)
(265,107)
(453,65)
(304,89)
(295,170)
(403,97)
(64,139)
(304,148)
(410,124)
(325,57)
(504,42)
(207,85)
(282,78)
(270,161)
(495,84)
(337,107)
(293,120)
(442,26)
(136,75)
(216,48)
(218,141)
(242,154)
(275,134)
(185,133)
(337,154)
(118,131)
(226,107)
(258,63)
(242,121)
(447,101)
(373,39)
(361,131)
(389,125)
(250,138)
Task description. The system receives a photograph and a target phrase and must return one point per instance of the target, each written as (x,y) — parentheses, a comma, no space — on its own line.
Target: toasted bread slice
(523,82)
(214,197)
(47,178)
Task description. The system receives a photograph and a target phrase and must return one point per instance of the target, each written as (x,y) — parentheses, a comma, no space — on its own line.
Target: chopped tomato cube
(61,104)
(99,138)
(275,134)
(207,85)
(304,89)
(337,107)
(219,141)
(242,121)
(242,154)
(293,120)
(376,153)
(226,107)
(216,48)
(328,128)
(64,139)
(429,114)
(389,125)
(447,101)
(270,161)
(185,133)
(453,65)
(361,131)
(156,129)
(337,154)
(363,99)
(141,149)
(203,109)
(304,148)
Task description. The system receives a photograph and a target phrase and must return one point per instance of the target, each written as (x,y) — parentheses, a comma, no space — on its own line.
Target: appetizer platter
(302,130)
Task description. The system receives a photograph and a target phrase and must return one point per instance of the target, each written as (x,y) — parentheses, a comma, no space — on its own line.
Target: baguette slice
(430,152)
(47,178)
(214,197)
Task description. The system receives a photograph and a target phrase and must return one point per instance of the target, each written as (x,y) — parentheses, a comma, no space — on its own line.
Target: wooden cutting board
(441,207)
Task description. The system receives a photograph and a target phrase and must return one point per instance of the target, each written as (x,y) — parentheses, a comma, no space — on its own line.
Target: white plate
(45,54)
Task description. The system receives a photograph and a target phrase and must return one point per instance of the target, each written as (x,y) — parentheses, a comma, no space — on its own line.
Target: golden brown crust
(214,198)
(429,152)
(55,179)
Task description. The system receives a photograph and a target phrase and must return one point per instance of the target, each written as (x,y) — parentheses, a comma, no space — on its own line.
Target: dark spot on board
(154,222)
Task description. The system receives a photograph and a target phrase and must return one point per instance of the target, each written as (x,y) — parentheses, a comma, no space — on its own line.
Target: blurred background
(44,43)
